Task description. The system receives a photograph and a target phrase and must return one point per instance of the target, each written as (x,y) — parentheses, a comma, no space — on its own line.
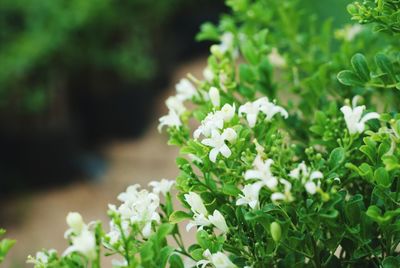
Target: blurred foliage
(43,41)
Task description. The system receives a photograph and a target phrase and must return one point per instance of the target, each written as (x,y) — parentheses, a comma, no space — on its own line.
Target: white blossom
(119,263)
(139,207)
(217,142)
(228,112)
(212,122)
(75,222)
(262,172)
(171,120)
(185,90)
(286,195)
(84,243)
(175,104)
(308,177)
(215,121)
(198,220)
(270,110)
(196,203)
(164,186)
(250,195)
(218,260)
(218,220)
(355,122)
(214,96)
(41,258)
(252,109)
(227,42)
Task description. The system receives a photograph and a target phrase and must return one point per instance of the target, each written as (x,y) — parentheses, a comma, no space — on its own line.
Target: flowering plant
(289,164)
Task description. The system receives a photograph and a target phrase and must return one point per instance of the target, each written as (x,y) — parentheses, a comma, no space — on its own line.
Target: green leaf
(197,254)
(349,78)
(5,246)
(178,216)
(382,177)
(249,52)
(203,240)
(176,261)
(391,162)
(360,67)
(165,254)
(353,209)
(164,230)
(366,172)
(147,252)
(391,262)
(208,31)
(385,65)
(230,189)
(336,157)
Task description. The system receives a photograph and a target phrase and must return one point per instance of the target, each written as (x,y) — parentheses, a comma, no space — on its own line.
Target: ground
(41,215)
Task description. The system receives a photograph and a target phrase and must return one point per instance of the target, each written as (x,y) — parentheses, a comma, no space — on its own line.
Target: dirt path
(42,214)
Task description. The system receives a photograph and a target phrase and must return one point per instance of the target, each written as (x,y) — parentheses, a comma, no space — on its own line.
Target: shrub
(291,165)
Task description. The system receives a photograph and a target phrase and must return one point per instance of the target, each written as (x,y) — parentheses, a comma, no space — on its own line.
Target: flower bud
(75,221)
(276,231)
(214,96)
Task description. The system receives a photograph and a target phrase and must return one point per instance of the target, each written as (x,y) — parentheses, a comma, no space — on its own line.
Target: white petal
(252,119)
(370,116)
(252,174)
(213,154)
(225,151)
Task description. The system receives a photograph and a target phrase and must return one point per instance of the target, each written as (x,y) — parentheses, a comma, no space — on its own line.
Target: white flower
(262,172)
(115,234)
(270,110)
(119,263)
(355,122)
(228,112)
(286,195)
(217,142)
(212,122)
(171,120)
(218,260)
(198,220)
(218,220)
(226,44)
(310,186)
(308,177)
(252,109)
(276,59)
(84,243)
(185,90)
(215,120)
(196,203)
(175,104)
(250,195)
(75,222)
(301,170)
(42,258)
(208,74)
(214,96)
(139,207)
(163,186)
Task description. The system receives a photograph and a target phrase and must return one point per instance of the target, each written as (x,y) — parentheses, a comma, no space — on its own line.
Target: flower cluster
(318,188)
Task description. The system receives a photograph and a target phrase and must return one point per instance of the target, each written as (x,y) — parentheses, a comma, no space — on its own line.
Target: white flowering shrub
(289,164)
